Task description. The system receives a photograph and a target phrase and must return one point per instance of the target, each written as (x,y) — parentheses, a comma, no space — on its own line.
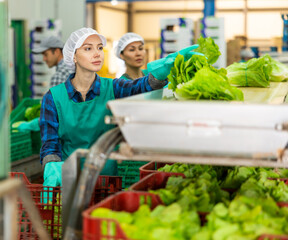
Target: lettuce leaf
(32,112)
(207,84)
(183,72)
(208,47)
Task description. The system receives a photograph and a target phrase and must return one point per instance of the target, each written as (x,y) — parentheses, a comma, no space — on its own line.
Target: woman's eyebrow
(92,44)
(86,44)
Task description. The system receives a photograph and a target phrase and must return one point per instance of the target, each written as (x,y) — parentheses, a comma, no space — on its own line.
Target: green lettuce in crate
(253,73)
(163,222)
(260,188)
(200,193)
(32,112)
(244,218)
(195,170)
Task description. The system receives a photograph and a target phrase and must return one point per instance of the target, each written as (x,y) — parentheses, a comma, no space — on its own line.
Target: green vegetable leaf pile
(200,193)
(206,84)
(195,170)
(279,71)
(164,222)
(32,112)
(195,78)
(244,218)
(208,47)
(253,73)
(252,212)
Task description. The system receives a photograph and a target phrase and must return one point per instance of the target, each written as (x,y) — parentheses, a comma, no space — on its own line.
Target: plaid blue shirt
(49,121)
(61,74)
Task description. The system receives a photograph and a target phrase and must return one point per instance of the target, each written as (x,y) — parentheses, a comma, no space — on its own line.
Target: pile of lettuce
(32,112)
(236,176)
(200,193)
(244,218)
(163,222)
(195,170)
(196,78)
(251,211)
(254,210)
(257,72)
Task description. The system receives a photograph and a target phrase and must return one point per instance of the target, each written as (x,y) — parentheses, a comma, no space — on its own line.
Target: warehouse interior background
(235,25)
(252,23)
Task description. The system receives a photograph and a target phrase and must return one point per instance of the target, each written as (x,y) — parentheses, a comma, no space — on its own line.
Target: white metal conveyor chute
(200,127)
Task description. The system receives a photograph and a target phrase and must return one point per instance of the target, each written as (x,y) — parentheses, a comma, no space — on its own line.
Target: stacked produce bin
(176,33)
(24,144)
(130,172)
(214,27)
(48,200)
(111,218)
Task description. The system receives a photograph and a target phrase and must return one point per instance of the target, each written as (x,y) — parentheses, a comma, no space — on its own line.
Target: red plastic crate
(104,228)
(272,237)
(280,179)
(153,181)
(150,168)
(105,186)
(159,180)
(50,212)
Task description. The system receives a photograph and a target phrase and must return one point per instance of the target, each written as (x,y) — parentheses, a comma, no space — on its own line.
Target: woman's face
(134,54)
(90,56)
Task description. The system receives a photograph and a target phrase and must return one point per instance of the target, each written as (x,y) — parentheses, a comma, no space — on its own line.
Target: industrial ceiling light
(114,2)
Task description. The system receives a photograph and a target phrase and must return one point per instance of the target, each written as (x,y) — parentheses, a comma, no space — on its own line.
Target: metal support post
(209,8)
(285,32)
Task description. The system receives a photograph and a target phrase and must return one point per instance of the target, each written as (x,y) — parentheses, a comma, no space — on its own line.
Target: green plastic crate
(36,142)
(127,181)
(18,114)
(129,171)
(23,144)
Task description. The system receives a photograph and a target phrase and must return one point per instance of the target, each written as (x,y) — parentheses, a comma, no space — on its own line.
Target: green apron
(124,76)
(81,124)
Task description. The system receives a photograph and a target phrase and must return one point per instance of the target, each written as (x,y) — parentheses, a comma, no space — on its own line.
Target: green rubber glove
(53,174)
(32,125)
(160,68)
(52,178)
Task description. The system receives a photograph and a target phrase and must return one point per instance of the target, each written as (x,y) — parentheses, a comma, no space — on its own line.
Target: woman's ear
(121,56)
(74,59)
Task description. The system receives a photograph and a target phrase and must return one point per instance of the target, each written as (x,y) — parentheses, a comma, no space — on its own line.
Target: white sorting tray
(149,122)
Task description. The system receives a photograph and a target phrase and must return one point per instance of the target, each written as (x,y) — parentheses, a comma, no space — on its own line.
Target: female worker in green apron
(130,49)
(72,113)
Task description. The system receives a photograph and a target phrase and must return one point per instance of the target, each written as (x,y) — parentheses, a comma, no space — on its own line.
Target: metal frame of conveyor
(78,185)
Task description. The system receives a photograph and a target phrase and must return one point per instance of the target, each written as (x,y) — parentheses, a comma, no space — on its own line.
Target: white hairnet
(126,39)
(247,53)
(75,41)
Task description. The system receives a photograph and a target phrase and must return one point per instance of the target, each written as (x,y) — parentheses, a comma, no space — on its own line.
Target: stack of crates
(129,171)
(23,144)
(48,200)
(176,33)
